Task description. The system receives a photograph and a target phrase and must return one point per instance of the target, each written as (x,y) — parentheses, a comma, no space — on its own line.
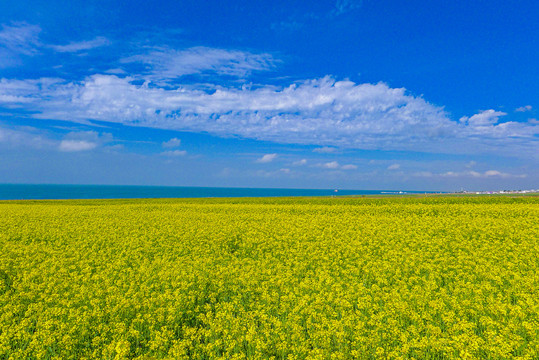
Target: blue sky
(408,95)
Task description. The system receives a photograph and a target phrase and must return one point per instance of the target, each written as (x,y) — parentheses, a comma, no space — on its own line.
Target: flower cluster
(303,278)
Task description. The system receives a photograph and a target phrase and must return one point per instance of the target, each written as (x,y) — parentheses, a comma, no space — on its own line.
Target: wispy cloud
(300,162)
(174,153)
(17,93)
(266,158)
(172,143)
(33,138)
(116,71)
(24,137)
(325,150)
(524,108)
(334,165)
(274,174)
(344,6)
(471,173)
(290,25)
(77,46)
(166,63)
(20,38)
(394,167)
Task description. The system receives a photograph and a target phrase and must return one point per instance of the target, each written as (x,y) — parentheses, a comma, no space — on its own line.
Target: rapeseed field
(305,278)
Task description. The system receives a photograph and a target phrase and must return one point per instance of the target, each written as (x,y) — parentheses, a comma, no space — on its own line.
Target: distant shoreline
(81,192)
(57,192)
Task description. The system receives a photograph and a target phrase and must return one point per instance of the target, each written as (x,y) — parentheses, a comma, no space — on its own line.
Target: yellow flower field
(305,278)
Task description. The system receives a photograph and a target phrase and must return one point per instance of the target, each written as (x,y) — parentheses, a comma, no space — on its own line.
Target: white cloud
(471,164)
(494,173)
(266,158)
(172,143)
(325,150)
(483,118)
(334,165)
(116,147)
(393,167)
(457,174)
(330,165)
(174,153)
(524,108)
(168,63)
(76,145)
(83,141)
(320,112)
(313,112)
(300,162)
(77,46)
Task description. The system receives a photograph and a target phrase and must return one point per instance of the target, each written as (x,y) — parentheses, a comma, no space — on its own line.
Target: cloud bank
(323,112)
